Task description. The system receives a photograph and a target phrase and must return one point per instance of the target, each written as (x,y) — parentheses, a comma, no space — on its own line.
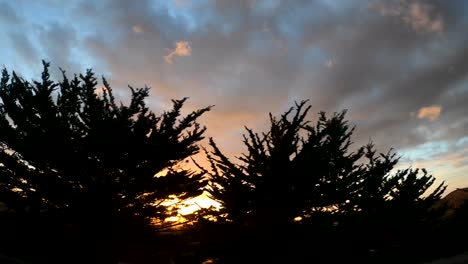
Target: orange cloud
(182,49)
(137,29)
(430,113)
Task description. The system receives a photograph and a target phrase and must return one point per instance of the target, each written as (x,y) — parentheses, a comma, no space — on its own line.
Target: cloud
(58,42)
(330,64)
(181,3)
(237,65)
(182,49)
(257,57)
(137,29)
(8,14)
(430,113)
(419,16)
(24,47)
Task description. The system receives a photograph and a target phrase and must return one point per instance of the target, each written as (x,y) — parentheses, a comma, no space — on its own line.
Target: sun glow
(185,208)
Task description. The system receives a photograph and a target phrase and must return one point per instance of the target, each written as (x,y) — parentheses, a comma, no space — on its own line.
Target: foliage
(309,176)
(69,151)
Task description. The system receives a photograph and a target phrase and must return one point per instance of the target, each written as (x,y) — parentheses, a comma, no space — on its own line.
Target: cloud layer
(381,59)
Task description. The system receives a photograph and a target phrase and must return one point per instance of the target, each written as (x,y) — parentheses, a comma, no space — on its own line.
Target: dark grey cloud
(56,41)
(24,47)
(251,56)
(8,13)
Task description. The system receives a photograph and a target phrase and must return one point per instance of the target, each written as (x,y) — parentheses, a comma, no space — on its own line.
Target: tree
(309,176)
(69,151)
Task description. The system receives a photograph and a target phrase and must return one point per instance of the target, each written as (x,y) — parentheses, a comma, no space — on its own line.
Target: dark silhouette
(83,180)
(79,168)
(301,191)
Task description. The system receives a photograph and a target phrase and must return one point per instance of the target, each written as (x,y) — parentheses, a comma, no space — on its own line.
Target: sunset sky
(399,67)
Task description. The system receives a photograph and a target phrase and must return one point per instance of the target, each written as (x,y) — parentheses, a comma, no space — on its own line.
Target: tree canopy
(299,174)
(70,151)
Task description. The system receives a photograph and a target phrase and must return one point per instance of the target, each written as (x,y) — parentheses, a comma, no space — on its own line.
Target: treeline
(84,179)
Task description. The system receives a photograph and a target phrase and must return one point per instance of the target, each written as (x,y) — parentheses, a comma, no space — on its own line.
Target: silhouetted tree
(70,152)
(309,177)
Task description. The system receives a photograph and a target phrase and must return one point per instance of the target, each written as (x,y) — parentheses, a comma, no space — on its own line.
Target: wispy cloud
(182,49)
(420,16)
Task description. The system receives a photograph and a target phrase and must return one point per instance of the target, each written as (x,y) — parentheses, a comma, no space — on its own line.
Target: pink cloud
(182,49)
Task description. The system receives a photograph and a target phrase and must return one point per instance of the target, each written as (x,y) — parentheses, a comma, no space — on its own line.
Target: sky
(399,67)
